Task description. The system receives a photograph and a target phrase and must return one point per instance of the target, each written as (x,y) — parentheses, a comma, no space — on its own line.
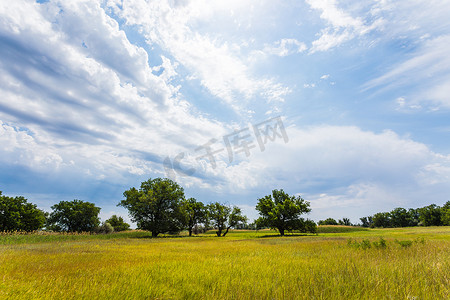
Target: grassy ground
(243,265)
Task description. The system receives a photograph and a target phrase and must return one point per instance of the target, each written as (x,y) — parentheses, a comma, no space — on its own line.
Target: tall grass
(339,229)
(242,266)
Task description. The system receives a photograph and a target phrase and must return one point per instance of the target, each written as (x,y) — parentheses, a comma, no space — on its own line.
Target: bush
(365,244)
(105,228)
(380,244)
(404,244)
(118,223)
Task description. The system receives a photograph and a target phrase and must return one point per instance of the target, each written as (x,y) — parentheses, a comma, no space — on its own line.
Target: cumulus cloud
(332,157)
(216,64)
(90,95)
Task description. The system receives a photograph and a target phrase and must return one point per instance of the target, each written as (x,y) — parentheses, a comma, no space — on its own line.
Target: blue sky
(96,95)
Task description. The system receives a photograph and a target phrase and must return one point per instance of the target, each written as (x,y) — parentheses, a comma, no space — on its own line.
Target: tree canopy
(224,217)
(118,223)
(281,211)
(76,215)
(17,214)
(328,221)
(156,206)
(195,212)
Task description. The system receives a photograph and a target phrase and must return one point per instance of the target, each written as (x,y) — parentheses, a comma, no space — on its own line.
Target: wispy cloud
(427,67)
(342,26)
(285,47)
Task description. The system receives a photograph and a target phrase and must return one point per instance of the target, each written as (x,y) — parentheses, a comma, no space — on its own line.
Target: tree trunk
(226,231)
(281,230)
(155,234)
(190,231)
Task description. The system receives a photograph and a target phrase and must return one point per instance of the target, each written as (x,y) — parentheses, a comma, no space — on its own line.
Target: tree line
(159,206)
(431,215)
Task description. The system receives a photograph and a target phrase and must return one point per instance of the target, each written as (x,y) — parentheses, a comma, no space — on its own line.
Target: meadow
(411,263)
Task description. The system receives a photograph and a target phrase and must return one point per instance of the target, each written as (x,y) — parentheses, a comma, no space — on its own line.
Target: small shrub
(365,244)
(381,243)
(404,244)
(420,240)
(105,228)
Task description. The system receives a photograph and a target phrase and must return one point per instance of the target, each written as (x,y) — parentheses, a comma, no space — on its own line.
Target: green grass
(339,229)
(243,265)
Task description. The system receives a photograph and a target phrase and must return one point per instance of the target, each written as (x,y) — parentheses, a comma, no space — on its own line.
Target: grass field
(414,264)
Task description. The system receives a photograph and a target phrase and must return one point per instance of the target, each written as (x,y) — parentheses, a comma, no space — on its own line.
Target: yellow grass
(241,266)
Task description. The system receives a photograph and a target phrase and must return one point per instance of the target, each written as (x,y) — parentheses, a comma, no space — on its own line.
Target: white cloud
(217,64)
(428,69)
(309,85)
(350,166)
(285,47)
(19,148)
(342,25)
(88,96)
(358,171)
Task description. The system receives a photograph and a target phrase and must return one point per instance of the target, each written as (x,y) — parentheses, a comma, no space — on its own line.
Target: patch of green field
(339,229)
(243,265)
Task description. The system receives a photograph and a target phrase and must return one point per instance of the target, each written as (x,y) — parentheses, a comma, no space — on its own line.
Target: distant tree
(118,223)
(224,217)
(414,216)
(195,213)
(282,212)
(17,214)
(156,206)
(381,220)
(400,217)
(76,215)
(329,221)
(445,214)
(366,221)
(430,215)
(345,222)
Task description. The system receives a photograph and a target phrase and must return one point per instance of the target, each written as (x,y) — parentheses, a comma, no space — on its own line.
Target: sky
(344,103)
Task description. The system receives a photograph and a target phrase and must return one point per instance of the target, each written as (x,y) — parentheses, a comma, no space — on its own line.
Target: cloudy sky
(346,103)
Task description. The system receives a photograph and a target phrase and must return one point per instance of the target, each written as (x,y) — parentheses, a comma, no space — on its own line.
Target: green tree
(282,212)
(445,214)
(156,206)
(118,223)
(76,215)
(414,216)
(329,221)
(381,219)
(195,213)
(366,221)
(17,214)
(224,217)
(430,215)
(345,222)
(400,217)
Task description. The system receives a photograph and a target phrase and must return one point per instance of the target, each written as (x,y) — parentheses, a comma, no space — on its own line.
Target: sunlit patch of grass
(339,229)
(240,266)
